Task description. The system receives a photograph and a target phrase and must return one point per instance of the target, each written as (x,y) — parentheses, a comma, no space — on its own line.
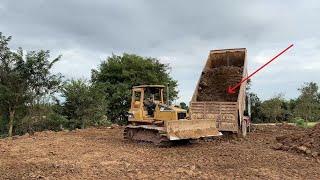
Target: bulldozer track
(146,135)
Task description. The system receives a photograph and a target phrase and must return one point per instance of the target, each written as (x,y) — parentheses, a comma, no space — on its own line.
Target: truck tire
(244,128)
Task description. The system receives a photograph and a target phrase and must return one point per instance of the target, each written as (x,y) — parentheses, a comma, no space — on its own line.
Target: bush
(102,122)
(53,121)
(300,122)
(56,122)
(85,104)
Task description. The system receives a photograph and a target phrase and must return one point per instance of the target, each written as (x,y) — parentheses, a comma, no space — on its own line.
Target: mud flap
(191,129)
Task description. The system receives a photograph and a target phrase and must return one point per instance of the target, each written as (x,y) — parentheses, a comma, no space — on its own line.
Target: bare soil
(306,142)
(214,83)
(103,154)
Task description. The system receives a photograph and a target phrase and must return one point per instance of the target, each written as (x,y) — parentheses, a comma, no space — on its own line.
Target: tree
(84,103)
(119,73)
(13,82)
(4,54)
(308,103)
(24,79)
(42,86)
(256,109)
(41,82)
(273,108)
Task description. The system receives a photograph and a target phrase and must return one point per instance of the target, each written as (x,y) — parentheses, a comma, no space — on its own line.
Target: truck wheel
(244,128)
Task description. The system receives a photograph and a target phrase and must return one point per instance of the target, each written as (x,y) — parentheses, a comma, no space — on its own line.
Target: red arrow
(231,90)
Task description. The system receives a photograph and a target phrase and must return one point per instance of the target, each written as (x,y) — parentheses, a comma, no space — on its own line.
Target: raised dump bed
(210,100)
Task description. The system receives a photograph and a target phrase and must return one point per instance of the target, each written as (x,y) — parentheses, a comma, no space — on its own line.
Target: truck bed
(210,100)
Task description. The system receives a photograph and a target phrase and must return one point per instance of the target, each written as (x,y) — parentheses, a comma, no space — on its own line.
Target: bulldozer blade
(191,129)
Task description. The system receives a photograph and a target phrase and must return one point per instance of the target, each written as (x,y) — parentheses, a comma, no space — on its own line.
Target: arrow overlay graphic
(231,90)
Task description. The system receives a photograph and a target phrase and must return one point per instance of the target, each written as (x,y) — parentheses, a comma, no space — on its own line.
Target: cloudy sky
(178,32)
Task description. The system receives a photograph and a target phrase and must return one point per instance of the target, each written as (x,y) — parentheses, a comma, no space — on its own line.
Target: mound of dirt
(214,83)
(307,142)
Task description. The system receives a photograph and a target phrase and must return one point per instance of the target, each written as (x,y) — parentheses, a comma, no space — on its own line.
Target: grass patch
(311,124)
(302,123)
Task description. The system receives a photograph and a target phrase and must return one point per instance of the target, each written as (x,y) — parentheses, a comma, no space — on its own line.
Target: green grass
(311,124)
(302,123)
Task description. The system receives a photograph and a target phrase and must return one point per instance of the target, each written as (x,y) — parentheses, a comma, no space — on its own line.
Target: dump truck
(152,120)
(211,101)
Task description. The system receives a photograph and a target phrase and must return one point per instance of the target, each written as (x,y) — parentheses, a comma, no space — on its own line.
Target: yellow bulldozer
(212,110)
(150,119)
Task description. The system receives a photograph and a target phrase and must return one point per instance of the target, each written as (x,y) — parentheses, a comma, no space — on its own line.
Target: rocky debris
(115,126)
(307,142)
(315,154)
(214,83)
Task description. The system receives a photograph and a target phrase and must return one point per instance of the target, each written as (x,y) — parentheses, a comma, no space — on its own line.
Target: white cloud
(77,63)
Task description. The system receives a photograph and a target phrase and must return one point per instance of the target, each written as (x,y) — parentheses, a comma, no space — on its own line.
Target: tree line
(305,107)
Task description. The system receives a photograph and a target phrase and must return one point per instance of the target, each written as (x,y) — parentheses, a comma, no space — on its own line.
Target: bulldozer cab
(145,98)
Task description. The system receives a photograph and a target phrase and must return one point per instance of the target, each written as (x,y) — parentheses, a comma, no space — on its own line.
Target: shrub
(30,124)
(102,122)
(300,122)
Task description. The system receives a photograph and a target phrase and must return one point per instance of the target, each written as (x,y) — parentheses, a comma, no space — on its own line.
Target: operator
(150,105)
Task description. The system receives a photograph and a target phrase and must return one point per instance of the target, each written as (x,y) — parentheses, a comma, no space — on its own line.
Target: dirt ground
(103,154)
(306,142)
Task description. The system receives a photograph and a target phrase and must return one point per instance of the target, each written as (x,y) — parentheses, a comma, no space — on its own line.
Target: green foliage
(273,108)
(256,110)
(119,73)
(13,81)
(84,104)
(308,103)
(24,80)
(300,122)
(40,81)
(44,118)
(276,109)
(53,122)
(4,120)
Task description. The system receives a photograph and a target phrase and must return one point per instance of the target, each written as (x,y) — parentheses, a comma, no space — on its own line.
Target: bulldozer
(152,120)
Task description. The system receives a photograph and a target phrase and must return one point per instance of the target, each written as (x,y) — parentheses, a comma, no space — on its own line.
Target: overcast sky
(180,32)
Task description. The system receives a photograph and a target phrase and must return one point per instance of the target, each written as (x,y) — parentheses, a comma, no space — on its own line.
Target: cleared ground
(103,154)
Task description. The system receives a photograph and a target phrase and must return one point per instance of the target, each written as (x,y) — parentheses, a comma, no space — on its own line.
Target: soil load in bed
(214,83)
(224,68)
